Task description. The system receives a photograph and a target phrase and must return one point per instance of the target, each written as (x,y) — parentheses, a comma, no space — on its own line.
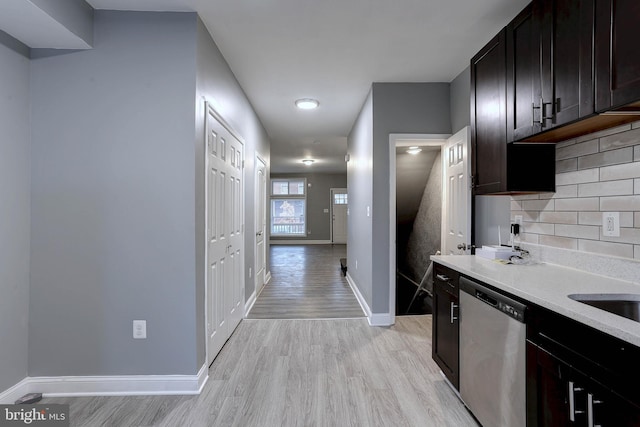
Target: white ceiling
(332,50)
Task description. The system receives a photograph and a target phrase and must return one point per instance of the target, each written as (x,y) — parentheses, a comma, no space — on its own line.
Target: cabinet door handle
(572,401)
(442,277)
(590,412)
(453,307)
(533,113)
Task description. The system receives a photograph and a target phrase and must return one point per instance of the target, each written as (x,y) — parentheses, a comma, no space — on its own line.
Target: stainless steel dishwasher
(492,356)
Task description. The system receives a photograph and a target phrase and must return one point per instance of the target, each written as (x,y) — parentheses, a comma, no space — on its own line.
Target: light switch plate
(611,224)
(140,329)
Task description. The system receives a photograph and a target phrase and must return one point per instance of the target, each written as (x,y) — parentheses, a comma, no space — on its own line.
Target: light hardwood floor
(274,373)
(306,283)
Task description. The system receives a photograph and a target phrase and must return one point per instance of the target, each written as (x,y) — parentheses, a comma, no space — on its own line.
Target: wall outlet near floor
(140,329)
(517,219)
(611,224)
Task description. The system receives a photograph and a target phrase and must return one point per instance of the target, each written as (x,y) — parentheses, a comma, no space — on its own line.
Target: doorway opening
(418,223)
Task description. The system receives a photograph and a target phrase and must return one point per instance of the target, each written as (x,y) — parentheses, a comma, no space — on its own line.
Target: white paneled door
(261,222)
(225,230)
(339,205)
(457,194)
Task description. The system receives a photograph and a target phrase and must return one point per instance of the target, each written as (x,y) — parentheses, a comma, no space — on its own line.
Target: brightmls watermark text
(54,415)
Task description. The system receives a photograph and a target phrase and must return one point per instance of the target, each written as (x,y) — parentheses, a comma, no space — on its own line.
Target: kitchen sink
(625,305)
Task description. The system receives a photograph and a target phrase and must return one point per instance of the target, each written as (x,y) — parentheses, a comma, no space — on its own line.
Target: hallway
(306,283)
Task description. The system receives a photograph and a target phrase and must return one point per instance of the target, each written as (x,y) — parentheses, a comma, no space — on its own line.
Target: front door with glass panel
(339,204)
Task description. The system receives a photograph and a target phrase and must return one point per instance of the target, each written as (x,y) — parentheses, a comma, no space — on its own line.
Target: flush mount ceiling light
(414,150)
(308,162)
(307,103)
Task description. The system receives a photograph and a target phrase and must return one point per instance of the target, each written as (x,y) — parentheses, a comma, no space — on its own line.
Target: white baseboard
(359,297)
(381,319)
(249,304)
(15,392)
(121,385)
(300,242)
(374,319)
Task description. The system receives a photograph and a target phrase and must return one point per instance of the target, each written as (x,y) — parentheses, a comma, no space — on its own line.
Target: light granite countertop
(548,285)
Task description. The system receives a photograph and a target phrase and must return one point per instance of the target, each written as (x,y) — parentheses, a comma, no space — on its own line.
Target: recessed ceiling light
(307,103)
(308,162)
(414,150)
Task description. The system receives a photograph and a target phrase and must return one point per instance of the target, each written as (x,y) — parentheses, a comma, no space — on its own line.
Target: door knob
(462,246)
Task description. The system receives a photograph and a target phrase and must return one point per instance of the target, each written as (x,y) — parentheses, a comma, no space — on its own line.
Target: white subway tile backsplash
(529,238)
(577,177)
(604,132)
(607,158)
(567,165)
(623,139)
(559,217)
(624,171)
(538,205)
(627,235)
(537,228)
(565,191)
(568,142)
(559,242)
(595,173)
(607,188)
(606,248)
(577,231)
(528,216)
(595,218)
(576,150)
(620,203)
(577,204)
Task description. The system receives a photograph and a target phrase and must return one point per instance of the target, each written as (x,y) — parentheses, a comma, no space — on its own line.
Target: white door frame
(331,190)
(402,140)
(259,283)
(210,108)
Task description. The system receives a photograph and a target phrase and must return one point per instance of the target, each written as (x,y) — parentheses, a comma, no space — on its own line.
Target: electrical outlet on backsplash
(595,173)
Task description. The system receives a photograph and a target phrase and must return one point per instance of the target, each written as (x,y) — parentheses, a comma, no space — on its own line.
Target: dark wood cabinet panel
(567,85)
(498,166)
(578,376)
(488,117)
(523,76)
(617,53)
(549,66)
(445,323)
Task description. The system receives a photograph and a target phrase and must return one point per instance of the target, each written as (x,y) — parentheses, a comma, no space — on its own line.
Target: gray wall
(216,83)
(15,213)
(318,199)
(425,238)
(398,108)
(412,174)
(460,101)
(359,186)
(113,201)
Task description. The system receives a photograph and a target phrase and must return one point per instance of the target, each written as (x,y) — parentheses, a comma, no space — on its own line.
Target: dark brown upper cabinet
(617,53)
(500,167)
(488,125)
(549,66)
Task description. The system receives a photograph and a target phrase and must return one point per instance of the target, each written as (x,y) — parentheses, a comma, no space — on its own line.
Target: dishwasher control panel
(511,310)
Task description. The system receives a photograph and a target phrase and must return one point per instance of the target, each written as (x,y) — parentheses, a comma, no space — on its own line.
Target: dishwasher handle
(486,298)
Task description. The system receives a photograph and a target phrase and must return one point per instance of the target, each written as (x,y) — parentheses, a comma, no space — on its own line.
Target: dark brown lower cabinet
(445,322)
(577,376)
